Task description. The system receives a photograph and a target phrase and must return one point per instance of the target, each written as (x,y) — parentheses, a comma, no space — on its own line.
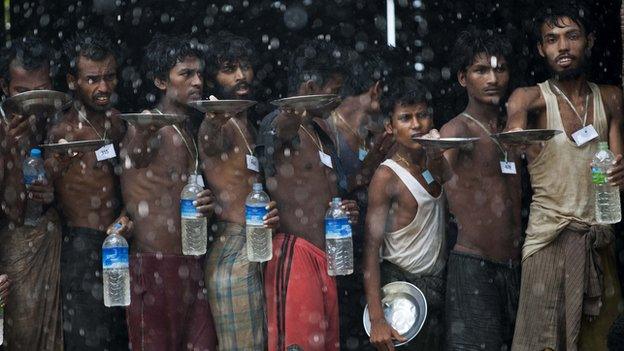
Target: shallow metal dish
(306,102)
(222,106)
(153,118)
(446,143)
(37,102)
(405,309)
(526,136)
(81,145)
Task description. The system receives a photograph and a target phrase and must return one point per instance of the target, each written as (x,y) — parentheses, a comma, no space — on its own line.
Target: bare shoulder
(611,96)
(384,180)
(529,97)
(456,127)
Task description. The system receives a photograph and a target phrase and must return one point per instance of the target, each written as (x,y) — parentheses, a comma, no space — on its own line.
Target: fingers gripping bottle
(33,170)
(608,209)
(115,269)
(338,240)
(194,227)
(259,238)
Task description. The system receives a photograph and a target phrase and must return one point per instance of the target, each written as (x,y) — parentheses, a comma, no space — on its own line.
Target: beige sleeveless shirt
(561,177)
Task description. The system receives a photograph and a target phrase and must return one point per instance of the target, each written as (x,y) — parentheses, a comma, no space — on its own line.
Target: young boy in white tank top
(406,219)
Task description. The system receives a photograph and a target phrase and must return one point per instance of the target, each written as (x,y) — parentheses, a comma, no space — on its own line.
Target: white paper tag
(105,152)
(197,179)
(584,135)
(428,177)
(362,154)
(252,163)
(326,159)
(508,167)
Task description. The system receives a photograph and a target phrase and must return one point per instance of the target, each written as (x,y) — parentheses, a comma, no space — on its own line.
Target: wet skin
(87,189)
(17,138)
(233,79)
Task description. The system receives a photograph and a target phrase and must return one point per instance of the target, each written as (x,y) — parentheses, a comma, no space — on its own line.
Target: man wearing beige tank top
(569,293)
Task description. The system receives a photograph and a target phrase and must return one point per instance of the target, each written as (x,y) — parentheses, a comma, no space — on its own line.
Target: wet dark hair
(552,14)
(470,44)
(92,44)
(30,53)
(365,69)
(227,47)
(404,91)
(314,60)
(165,51)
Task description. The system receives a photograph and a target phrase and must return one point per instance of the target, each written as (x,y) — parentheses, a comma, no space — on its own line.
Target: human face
(186,81)
(565,48)
(409,122)
(234,79)
(95,82)
(23,80)
(486,79)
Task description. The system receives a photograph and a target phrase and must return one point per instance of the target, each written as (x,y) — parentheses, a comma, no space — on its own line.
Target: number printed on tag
(105,152)
(508,167)
(253,163)
(326,159)
(585,134)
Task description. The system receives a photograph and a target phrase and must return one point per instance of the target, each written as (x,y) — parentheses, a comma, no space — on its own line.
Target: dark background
(426,30)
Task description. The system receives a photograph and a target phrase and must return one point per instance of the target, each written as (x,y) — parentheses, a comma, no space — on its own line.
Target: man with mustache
(569,295)
(87,191)
(226,145)
(29,253)
(169,309)
(299,162)
(483,190)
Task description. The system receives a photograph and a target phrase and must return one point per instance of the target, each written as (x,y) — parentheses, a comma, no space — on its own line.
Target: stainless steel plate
(405,309)
(446,143)
(526,136)
(81,145)
(37,102)
(222,106)
(306,102)
(152,118)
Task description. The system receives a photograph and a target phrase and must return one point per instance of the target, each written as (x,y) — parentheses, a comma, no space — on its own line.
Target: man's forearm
(141,148)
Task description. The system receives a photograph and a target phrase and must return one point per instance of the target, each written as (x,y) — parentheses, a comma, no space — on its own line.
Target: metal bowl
(306,102)
(526,136)
(405,309)
(73,146)
(446,143)
(152,118)
(37,102)
(222,106)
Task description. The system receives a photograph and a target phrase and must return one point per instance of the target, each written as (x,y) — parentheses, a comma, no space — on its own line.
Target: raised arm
(380,193)
(140,145)
(522,102)
(287,124)
(212,135)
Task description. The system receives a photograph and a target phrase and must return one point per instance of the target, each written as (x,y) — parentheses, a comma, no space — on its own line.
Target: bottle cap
(257,187)
(34,152)
(336,200)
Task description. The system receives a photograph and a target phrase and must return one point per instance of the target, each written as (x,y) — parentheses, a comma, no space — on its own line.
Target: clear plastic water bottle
(608,209)
(33,170)
(259,238)
(1,325)
(338,242)
(115,271)
(194,227)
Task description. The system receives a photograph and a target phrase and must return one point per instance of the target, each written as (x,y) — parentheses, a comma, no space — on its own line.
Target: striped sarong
(569,294)
(235,291)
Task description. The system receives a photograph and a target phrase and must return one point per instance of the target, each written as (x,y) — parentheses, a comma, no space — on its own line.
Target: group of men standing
(554,288)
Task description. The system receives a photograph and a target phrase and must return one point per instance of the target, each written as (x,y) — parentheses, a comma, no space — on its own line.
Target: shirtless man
(230,166)
(299,163)
(88,193)
(406,216)
(29,254)
(483,268)
(570,295)
(169,309)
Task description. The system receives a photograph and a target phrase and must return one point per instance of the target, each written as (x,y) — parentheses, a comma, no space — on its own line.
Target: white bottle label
(115,257)
(337,228)
(188,210)
(254,215)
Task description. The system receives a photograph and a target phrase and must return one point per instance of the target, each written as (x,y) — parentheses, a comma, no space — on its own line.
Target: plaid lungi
(235,291)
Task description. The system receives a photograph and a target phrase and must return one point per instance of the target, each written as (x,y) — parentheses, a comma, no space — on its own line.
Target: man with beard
(569,295)
(299,162)
(29,253)
(169,309)
(483,277)
(226,148)
(87,193)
